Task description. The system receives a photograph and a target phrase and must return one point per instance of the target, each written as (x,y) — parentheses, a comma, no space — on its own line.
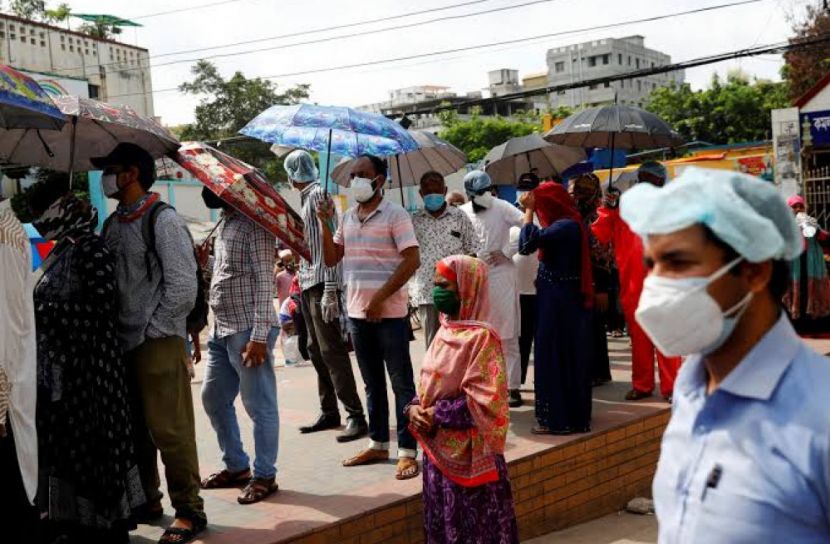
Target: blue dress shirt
(749,463)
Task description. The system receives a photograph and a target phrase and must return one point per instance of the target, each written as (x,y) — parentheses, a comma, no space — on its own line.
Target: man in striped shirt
(320,287)
(377,245)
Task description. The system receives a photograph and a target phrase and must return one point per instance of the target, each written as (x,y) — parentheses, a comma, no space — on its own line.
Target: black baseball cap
(126,155)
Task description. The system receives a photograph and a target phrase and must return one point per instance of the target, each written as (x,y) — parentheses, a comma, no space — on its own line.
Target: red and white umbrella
(246,189)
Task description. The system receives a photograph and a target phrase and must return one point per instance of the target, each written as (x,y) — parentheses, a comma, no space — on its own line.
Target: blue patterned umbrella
(338,130)
(24,104)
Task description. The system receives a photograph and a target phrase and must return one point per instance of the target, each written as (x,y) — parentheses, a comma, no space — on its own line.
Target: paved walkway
(620,528)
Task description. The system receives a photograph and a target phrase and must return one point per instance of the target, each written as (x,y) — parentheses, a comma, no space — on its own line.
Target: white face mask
(362,189)
(682,318)
(484,200)
(109,184)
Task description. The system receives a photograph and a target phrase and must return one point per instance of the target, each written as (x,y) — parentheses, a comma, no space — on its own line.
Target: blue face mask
(434,202)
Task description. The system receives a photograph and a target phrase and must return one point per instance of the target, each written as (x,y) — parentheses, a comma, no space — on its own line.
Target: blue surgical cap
(300,167)
(654,168)
(747,213)
(476,181)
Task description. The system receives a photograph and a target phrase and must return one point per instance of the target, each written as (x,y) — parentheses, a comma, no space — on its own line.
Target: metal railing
(816,191)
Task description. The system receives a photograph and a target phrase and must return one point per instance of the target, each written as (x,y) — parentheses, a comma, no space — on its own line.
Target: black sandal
(258,489)
(226,479)
(180,535)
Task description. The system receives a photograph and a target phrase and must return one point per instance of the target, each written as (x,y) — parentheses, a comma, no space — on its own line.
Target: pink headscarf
(796,199)
(465,359)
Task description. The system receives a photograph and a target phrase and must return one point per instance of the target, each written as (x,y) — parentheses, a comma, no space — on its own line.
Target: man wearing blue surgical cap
(320,286)
(746,455)
(492,219)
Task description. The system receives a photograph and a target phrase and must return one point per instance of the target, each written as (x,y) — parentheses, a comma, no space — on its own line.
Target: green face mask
(446,301)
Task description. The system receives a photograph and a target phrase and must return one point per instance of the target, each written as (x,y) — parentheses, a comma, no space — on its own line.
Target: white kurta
(18,357)
(492,227)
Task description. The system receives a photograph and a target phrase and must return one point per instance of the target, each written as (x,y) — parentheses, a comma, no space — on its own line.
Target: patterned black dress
(89,481)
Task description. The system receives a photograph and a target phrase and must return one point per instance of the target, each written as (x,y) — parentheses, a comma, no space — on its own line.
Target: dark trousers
(164,422)
(375,344)
(18,517)
(330,357)
(528,330)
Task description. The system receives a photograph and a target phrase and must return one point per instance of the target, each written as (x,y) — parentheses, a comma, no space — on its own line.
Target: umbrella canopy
(246,189)
(24,104)
(434,154)
(332,129)
(614,126)
(94,127)
(517,156)
(40,246)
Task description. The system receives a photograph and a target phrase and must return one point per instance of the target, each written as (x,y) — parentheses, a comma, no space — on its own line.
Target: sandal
(407,469)
(367,457)
(226,479)
(257,490)
(637,395)
(180,535)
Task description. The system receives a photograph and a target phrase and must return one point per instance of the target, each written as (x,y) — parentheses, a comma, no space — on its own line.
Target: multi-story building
(67,62)
(504,81)
(602,58)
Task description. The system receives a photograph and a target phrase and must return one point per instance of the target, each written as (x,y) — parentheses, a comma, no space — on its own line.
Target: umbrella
(331,129)
(614,127)
(40,246)
(24,104)
(93,130)
(506,162)
(433,154)
(246,189)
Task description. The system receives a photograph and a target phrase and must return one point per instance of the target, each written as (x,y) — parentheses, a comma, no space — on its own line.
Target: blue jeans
(225,378)
(374,344)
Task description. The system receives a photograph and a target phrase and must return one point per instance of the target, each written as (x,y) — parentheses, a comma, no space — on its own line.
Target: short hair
(432,175)
(379,165)
(779,282)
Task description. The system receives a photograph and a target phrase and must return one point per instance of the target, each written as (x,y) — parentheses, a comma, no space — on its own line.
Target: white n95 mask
(484,200)
(682,318)
(109,184)
(362,189)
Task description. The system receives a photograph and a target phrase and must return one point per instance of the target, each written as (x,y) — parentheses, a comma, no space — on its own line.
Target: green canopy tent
(104,19)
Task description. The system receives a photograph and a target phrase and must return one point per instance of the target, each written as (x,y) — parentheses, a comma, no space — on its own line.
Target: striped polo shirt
(371,253)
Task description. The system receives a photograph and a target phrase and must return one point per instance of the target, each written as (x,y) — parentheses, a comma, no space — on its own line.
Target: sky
(683,37)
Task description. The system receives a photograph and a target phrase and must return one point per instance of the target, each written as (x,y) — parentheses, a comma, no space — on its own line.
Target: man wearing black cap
(157,286)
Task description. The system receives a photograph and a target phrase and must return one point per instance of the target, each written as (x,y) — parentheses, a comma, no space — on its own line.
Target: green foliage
(20,201)
(731,112)
(100,29)
(477,135)
(59,14)
(806,66)
(28,9)
(228,105)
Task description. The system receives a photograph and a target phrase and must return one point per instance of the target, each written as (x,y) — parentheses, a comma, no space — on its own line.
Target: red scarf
(553,203)
(143,206)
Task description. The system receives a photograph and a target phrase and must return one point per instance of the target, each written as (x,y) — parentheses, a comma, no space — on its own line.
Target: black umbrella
(614,127)
(507,162)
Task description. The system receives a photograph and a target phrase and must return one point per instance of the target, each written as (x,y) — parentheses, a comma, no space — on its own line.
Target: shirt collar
(758,374)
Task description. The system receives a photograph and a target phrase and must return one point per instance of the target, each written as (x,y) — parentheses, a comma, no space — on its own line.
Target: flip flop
(405,464)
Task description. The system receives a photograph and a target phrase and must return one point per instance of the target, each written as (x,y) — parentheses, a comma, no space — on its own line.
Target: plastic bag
(291,350)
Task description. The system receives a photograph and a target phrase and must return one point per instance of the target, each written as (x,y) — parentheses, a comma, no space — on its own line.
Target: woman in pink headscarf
(460,417)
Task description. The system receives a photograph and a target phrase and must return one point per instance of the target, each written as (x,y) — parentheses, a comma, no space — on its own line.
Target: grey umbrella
(517,156)
(614,126)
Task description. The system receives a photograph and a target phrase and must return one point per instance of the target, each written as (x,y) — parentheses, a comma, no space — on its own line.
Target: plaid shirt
(316,272)
(241,288)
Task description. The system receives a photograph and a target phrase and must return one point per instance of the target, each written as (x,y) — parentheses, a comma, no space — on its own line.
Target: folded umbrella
(505,163)
(433,154)
(247,190)
(24,103)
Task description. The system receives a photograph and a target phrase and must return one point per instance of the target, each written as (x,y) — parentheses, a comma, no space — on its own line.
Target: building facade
(67,62)
(604,58)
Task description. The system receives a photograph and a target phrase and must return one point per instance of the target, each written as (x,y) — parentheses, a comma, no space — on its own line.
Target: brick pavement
(316,491)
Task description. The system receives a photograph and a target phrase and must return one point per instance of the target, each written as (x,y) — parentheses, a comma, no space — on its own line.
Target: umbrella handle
(328,167)
(400,180)
(72,151)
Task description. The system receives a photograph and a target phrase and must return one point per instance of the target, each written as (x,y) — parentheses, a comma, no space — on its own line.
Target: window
(619,59)
(639,86)
(607,85)
(561,93)
(23,38)
(86,51)
(606,58)
(638,64)
(629,60)
(33,41)
(70,40)
(63,38)
(42,35)
(63,47)
(11,28)
(592,61)
(2,34)
(2,25)
(94,91)
(652,65)
(559,67)
(13,36)
(42,43)
(71,48)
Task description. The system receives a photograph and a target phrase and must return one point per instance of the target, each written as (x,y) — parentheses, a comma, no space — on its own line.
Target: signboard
(787,150)
(54,85)
(815,128)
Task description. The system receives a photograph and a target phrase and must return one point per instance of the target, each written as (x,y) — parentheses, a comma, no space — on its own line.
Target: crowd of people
(101,343)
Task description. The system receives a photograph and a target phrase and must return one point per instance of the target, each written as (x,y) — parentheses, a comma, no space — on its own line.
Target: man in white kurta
(18,371)
(492,219)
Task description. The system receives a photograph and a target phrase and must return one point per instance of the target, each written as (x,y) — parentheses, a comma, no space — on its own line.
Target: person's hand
(528,201)
(330,306)
(612,198)
(203,252)
(496,258)
(325,210)
(374,310)
(254,354)
(421,419)
(196,357)
(601,302)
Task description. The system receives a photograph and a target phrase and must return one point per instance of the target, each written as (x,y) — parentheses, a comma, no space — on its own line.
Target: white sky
(683,38)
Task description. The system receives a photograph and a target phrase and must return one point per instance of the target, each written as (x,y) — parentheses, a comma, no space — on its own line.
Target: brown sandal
(367,457)
(257,490)
(226,479)
(405,465)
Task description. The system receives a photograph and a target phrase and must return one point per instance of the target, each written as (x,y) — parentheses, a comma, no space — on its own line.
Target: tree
(228,105)
(59,14)
(804,67)
(100,29)
(28,9)
(477,135)
(731,112)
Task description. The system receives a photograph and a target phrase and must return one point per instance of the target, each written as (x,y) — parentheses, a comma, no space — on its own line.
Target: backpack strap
(148,233)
